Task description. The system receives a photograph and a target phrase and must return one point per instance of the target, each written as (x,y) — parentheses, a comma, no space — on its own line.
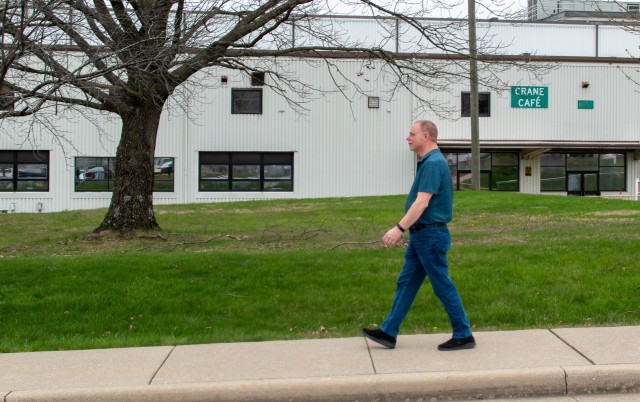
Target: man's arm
(413,214)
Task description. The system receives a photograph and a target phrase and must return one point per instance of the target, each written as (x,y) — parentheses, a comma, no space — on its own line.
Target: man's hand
(392,236)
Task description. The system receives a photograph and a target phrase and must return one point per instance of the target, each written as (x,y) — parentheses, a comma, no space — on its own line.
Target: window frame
(236,102)
(489,170)
(7,99)
(258,78)
(230,162)
(484,104)
(110,162)
(7,103)
(602,166)
(596,169)
(14,159)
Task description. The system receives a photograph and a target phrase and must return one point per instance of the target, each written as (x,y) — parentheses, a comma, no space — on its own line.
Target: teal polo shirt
(433,176)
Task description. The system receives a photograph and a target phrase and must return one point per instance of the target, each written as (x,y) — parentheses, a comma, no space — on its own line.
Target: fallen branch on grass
(210,240)
(351,243)
(236,238)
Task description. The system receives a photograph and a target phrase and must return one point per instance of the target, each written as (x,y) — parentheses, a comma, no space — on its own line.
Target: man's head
(423,137)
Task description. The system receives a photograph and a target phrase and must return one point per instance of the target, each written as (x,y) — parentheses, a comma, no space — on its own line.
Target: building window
(246,101)
(484,104)
(94,174)
(553,172)
(246,171)
(7,99)
(499,171)
(505,171)
(257,78)
(609,168)
(163,174)
(612,172)
(24,170)
(98,173)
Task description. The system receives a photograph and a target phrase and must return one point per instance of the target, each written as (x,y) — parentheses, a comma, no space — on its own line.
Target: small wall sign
(585,104)
(525,97)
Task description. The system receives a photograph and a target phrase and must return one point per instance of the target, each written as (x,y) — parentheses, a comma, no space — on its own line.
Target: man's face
(417,139)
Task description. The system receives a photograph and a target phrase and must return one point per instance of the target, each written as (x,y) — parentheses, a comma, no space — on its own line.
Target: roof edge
(631,145)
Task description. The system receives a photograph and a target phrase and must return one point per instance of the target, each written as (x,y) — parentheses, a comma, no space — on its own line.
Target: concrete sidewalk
(506,364)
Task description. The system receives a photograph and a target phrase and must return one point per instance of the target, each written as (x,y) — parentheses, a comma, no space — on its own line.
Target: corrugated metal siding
(341,147)
(614,117)
(538,39)
(530,184)
(337,141)
(617,42)
(494,37)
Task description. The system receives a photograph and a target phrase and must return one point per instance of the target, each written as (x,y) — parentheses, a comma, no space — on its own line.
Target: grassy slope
(309,268)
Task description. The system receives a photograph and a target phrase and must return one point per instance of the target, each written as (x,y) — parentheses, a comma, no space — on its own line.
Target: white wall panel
(341,147)
(612,119)
(618,42)
(335,140)
(530,184)
(538,39)
(577,38)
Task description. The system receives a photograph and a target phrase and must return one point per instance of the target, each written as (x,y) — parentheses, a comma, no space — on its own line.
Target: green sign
(529,97)
(585,104)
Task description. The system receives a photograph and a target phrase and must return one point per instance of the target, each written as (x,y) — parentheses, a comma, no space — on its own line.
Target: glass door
(582,183)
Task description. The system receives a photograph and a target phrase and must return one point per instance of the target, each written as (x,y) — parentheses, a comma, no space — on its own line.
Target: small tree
(129,57)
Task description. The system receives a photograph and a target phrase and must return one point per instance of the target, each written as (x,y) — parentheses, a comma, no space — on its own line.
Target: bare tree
(130,57)
(15,24)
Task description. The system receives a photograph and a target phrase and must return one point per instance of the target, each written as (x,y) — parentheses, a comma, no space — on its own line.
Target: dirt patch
(616,213)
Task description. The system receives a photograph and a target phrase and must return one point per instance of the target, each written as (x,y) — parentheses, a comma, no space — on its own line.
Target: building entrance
(582,183)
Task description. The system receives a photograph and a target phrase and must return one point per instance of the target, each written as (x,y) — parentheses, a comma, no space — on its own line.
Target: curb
(460,385)
(612,378)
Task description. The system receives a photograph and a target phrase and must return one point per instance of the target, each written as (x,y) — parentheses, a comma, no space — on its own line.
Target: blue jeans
(426,256)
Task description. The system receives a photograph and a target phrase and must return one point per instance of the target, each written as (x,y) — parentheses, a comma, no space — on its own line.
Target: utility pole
(473,77)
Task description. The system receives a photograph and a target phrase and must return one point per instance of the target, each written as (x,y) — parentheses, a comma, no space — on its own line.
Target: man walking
(428,208)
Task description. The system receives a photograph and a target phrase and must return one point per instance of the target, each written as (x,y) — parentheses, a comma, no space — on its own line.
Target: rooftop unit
(581,10)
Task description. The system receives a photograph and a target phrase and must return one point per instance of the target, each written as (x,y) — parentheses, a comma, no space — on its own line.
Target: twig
(353,242)
(208,240)
(199,241)
(155,236)
(529,224)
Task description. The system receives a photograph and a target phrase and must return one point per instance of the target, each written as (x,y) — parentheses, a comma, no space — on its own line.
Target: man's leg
(434,258)
(409,281)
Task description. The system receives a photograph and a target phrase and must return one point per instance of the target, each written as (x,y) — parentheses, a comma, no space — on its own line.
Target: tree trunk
(131,205)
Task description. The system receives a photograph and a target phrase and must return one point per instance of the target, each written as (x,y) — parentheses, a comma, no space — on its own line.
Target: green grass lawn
(296,269)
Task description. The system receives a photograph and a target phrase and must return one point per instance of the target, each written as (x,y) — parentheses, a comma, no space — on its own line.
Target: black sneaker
(380,337)
(457,344)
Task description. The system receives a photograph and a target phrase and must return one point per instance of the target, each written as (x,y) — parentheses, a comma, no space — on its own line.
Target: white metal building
(565,10)
(576,132)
